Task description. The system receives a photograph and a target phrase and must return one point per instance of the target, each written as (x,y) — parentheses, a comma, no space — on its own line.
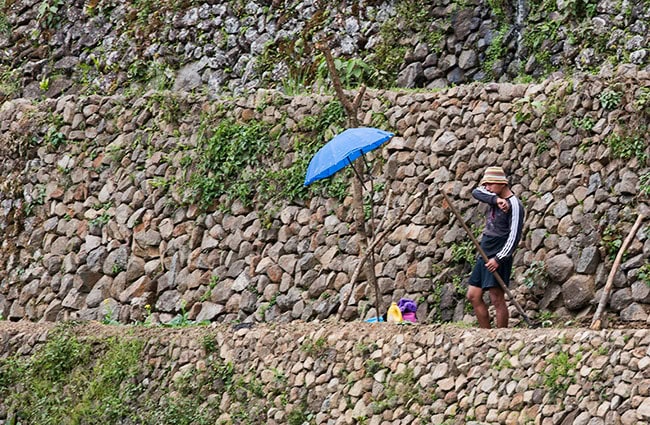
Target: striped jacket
(502,230)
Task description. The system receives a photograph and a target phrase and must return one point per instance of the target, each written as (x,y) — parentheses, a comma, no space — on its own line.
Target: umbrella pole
(357,173)
(371,250)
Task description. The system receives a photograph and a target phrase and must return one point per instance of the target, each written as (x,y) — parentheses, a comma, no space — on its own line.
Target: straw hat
(494,175)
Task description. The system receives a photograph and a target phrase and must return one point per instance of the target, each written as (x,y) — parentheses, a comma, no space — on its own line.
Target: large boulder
(578,292)
(559,268)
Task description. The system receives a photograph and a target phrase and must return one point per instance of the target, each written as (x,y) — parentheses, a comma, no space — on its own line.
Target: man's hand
(492,265)
(503,205)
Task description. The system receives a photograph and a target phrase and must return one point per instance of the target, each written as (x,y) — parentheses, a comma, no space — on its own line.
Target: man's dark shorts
(482,278)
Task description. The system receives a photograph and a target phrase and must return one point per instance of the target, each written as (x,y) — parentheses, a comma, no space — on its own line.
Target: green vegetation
(560,373)
(642,101)
(495,52)
(314,348)
(64,382)
(388,55)
(465,251)
(610,99)
(229,160)
(644,183)
(644,273)
(628,146)
(536,275)
(48,13)
(402,389)
(611,240)
(77,380)
(5,26)
(242,161)
(352,72)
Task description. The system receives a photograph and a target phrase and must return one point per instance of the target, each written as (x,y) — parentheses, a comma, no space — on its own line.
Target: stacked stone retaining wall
(379,374)
(74,47)
(94,225)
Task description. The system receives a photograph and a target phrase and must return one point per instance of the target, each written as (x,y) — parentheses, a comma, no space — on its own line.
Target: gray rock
(52,311)
(188,78)
(641,292)
(307,262)
(286,302)
(116,261)
(412,76)
(578,291)
(209,311)
(222,292)
(88,277)
(134,269)
(74,300)
(168,301)
(620,299)
(635,312)
(628,184)
(445,144)
(456,75)
(588,261)
(95,259)
(136,289)
(559,268)
(99,292)
(467,60)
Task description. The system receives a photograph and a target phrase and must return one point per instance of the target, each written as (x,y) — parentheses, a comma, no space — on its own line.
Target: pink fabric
(410,317)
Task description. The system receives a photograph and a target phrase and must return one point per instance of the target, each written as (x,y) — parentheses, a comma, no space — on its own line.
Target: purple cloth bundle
(408,309)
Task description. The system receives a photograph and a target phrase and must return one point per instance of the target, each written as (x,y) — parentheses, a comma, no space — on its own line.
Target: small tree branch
(596,322)
(378,238)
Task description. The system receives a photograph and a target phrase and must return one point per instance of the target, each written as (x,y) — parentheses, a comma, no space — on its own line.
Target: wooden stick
(596,321)
(371,248)
(486,259)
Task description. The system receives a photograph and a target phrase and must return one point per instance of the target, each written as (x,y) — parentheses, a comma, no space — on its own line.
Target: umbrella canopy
(343,150)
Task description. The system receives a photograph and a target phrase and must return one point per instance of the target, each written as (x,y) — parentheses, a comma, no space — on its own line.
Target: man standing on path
(503,227)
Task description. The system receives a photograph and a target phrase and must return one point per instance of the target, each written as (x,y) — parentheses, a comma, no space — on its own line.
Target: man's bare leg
(475,296)
(497,297)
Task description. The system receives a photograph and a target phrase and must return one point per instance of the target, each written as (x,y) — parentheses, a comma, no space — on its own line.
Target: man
(503,227)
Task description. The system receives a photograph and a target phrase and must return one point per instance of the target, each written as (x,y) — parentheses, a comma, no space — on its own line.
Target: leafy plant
(560,373)
(465,252)
(644,273)
(182,319)
(611,241)
(585,123)
(610,99)
(101,219)
(536,275)
(314,347)
(229,156)
(352,72)
(628,146)
(495,51)
(644,183)
(5,25)
(642,101)
(48,13)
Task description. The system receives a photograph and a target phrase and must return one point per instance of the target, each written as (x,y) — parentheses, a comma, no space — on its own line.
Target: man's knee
(474,294)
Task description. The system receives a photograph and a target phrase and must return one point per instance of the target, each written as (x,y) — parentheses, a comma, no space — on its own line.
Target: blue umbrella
(342,150)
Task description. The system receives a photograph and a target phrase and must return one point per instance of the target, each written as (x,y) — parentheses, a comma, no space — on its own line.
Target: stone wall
(94,225)
(75,47)
(347,373)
